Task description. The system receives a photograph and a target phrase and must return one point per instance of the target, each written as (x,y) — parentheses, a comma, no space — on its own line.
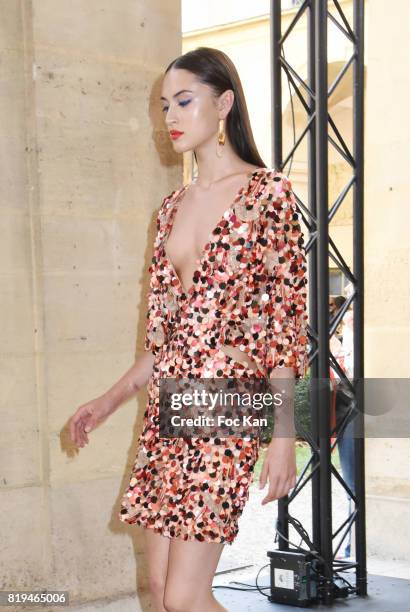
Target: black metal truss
(320,130)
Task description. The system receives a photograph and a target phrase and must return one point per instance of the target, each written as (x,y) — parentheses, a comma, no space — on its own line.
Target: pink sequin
(249,291)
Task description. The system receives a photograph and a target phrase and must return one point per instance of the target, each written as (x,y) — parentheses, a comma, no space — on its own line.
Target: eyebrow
(177,94)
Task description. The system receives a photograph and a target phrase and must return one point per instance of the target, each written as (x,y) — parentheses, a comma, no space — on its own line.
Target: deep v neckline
(211,237)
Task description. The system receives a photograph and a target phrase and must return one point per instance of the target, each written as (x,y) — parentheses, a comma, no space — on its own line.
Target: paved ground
(256,536)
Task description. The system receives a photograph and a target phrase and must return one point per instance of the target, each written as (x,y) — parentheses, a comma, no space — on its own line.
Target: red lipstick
(175,134)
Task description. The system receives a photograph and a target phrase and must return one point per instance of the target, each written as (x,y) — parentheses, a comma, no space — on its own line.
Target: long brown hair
(214,68)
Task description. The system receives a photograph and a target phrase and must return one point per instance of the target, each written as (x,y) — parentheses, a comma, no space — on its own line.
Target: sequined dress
(249,291)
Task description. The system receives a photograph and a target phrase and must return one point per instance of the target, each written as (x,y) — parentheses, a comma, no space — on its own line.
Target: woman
(227,299)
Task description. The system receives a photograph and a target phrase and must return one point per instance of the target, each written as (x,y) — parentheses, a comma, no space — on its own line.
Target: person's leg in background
(345,445)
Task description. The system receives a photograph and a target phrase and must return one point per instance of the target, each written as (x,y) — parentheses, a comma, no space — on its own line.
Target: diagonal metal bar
(304,209)
(340,198)
(341,140)
(350,520)
(348,301)
(334,364)
(346,268)
(347,520)
(299,140)
(296,89)
(341,28)
(343,483)
(294,21)
(315,468)
(297,77)
(340,151)
(341,75)
(342,375)
(310,243)
(344,422)
(343,17)
(301,482)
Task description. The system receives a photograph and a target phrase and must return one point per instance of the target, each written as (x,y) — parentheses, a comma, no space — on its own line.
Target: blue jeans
(345,445)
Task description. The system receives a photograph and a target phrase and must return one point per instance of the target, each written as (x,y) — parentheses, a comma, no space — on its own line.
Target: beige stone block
(113,444)
(13,152)
(383,456)
(382,281)
(13,187)
(88,245)
(15,247)
(97,313)
(12,89)
(17,310)
(129,30)
(76,378)
(86,93)
(93,553)
(111,451)
(23,539)
(11,26)
(382,541)
(20,454)
(99,129)
(19,432)
(101,170)
(395,340)
(17,388)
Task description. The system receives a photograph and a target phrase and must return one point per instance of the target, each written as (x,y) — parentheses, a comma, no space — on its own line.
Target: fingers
(71,429)
(264,474)
(82,434)
(77,432)
(78,435)
(278,488)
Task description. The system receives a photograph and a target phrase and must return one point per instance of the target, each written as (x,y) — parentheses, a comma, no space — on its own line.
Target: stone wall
(85,164)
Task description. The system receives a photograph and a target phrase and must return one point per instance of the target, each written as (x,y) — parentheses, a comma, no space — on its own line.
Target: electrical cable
(250,587)
(332,571)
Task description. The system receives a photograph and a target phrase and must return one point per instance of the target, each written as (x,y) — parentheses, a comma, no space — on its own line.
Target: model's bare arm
(91,414)
(279,465)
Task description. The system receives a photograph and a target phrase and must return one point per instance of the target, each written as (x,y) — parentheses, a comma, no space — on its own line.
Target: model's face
(189,106)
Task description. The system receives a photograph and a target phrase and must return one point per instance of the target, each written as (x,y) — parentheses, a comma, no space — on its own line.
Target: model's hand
(86,418)
(280,467)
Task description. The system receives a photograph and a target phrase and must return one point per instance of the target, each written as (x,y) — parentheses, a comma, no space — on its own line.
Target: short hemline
(166,533)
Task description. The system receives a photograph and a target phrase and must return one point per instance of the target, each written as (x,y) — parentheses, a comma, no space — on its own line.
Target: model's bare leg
(157,549)
(191,569)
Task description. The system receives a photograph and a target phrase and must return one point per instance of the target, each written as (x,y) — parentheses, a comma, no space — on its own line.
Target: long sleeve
(285,297)
(156,316)
(155,328)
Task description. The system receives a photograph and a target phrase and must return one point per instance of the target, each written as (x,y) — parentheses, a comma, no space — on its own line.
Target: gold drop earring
(221,136)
